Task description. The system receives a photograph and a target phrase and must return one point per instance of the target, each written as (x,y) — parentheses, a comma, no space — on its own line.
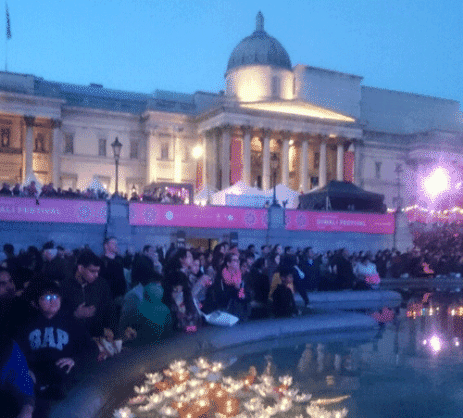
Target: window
(377,169)
(69,144)
(39,143)
(275,86)
(102,147)
(5,137)
(133,150)
(165,151)
(316,161)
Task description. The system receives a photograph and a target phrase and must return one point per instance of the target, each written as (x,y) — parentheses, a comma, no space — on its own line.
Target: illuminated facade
(318,125)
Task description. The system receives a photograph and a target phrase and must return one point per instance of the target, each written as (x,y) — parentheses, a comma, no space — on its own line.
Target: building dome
(259,48)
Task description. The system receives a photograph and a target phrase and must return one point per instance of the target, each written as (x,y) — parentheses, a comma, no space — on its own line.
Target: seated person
(89,296)
(143,273)
(53,341)
(154,321)
(16,386)
(284,304)
(184,313)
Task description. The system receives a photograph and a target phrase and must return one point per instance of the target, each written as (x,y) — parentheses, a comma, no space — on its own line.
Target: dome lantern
(259,49)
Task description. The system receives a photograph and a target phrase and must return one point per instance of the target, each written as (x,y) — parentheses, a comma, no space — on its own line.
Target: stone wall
(23,234)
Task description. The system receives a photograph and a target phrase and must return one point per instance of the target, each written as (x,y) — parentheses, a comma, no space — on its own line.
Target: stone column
(203,159)
(303,174)
(177,157)
(29,146)
(266,160)
(56,151)
(213,157)
(322,165)
(225,156)
(247,154)
(151,157)
(356,144)
(340,162)
(285,159)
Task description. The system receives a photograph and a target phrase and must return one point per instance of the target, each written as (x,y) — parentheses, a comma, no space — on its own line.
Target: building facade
(302,125)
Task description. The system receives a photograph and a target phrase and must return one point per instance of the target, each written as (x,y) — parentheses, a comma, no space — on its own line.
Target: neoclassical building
(307,125)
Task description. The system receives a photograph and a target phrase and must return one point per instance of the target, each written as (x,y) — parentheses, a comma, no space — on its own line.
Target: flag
(8,26)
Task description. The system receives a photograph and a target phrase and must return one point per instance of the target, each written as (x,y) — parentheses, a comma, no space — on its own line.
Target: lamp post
(117,146)
(274,165)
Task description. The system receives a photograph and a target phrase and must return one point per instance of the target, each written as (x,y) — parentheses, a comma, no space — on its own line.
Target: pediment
(297,108)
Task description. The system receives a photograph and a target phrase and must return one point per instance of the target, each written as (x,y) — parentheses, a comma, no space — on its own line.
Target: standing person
(153,255)
(89,297)
(284,304)
(345,276)
(112,269)
(311,268)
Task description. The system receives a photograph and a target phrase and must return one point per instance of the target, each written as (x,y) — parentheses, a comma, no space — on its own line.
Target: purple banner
(22,209)
(339,221)
(197,216)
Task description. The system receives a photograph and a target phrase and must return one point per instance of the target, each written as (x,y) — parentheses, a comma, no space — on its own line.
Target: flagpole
(8,34)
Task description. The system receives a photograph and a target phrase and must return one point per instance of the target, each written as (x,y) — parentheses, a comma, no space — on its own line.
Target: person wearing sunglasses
(53,341)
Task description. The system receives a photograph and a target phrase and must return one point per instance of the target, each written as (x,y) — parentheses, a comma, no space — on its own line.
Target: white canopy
(204,195)
(96,185)
(240,194)
(284,193)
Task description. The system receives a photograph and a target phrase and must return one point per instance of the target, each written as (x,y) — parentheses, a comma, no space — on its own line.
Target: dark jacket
(283,302)
(97,294)
(112,270)
(45,341)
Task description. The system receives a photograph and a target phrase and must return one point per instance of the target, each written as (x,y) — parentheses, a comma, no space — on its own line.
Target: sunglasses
(49,298)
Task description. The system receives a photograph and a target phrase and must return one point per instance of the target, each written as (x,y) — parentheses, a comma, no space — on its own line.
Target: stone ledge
(98,394)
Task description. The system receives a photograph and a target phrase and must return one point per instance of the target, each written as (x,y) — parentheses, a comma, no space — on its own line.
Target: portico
(239,143)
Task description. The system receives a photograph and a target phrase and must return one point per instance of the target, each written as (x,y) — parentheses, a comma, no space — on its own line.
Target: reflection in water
(412,368)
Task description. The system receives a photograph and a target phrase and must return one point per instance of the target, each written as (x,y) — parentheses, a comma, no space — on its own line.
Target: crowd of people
(60,308)
(157,195)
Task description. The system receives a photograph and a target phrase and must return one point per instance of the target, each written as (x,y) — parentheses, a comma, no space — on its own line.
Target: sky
(184,45)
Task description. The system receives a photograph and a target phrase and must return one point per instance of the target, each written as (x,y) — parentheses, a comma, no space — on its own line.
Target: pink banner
(144,214)
(339,221)
(22,209)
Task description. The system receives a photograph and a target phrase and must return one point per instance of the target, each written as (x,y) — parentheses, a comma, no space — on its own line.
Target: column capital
(246,129)
(266,132)
(56,123)
(286,135)
(29,120)
(226,128)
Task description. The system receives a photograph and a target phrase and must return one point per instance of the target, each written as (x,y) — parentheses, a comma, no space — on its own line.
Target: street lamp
(274,166)
(117,146)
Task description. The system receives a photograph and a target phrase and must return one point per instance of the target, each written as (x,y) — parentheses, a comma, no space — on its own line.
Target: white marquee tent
(284,193)
(204,195)
(240,194)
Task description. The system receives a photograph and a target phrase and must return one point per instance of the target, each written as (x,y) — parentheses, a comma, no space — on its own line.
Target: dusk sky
(184,45)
